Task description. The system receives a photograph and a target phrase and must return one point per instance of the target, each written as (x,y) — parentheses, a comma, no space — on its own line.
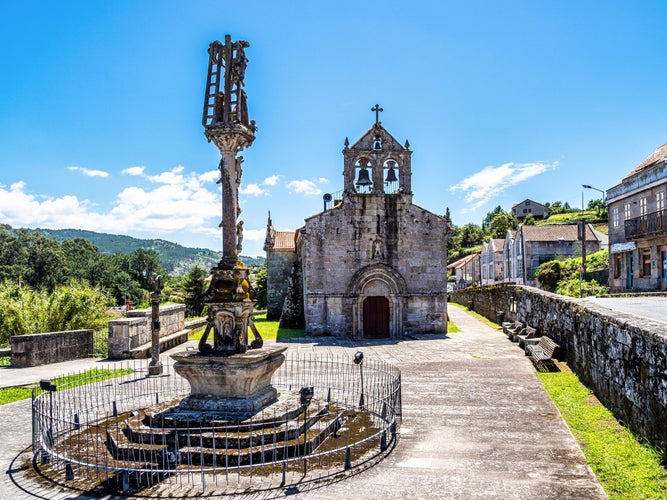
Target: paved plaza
(477,423)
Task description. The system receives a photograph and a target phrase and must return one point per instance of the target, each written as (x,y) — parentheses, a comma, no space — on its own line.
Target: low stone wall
(622,357)
(128,333)
(53,347)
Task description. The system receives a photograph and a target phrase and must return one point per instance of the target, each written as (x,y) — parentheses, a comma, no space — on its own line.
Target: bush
(549,274)
(68,307)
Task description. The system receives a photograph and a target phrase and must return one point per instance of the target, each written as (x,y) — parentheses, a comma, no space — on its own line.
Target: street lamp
(588,186)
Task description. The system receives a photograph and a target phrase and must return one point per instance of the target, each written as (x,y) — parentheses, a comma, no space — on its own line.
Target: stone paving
(477,423)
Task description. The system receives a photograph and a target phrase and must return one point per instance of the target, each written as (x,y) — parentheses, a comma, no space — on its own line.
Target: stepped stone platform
(477,423)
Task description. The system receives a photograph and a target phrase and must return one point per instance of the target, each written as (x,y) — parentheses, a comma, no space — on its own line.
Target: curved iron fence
(107,433)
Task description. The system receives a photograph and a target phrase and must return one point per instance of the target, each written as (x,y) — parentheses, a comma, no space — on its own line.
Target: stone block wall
(53,347)
(622,357)
(133,331)
(425,314)
(279,265)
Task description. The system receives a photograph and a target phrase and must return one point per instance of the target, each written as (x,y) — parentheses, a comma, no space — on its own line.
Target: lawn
(11,394)
(269,330)
(626,467)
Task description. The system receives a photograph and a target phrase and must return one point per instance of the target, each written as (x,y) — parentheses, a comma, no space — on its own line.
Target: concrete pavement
(477,423)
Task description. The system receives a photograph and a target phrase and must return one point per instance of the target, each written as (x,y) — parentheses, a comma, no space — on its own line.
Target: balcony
(646,225)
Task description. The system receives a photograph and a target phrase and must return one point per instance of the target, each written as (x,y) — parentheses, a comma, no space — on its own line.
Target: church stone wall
(622,357)
(425,314)
(278,269)
(368,230)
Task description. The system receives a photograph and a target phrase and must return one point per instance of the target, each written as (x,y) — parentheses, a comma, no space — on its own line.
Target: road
(654,308)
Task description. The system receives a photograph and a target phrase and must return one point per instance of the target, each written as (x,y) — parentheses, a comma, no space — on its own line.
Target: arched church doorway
(376,317)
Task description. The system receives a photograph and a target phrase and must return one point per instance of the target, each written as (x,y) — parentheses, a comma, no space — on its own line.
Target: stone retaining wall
(622,357)
(133,331)
(53,347)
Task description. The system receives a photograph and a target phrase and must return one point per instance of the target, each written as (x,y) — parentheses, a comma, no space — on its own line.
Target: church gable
(377,138)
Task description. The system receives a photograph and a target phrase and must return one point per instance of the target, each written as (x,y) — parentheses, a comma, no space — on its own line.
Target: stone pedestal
(231,386)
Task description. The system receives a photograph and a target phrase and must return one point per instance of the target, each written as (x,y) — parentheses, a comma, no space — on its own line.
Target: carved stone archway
(378,280)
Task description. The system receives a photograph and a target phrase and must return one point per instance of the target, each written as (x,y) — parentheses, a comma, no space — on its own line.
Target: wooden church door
(376,317)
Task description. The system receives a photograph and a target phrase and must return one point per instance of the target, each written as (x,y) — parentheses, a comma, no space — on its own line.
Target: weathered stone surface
(230,384)
(53,347)
(128,333)
(621,356)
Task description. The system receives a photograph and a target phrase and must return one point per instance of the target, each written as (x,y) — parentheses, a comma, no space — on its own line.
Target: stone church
(372,264)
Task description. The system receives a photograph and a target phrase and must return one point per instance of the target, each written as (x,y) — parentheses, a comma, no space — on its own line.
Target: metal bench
(542,353)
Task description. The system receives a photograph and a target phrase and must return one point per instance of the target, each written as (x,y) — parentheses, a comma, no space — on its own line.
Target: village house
(638,227)
(492,261)
(467,270)
(529,207)
(530,246)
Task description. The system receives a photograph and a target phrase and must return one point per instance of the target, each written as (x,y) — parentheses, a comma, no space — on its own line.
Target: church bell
(391,174)
(363,179)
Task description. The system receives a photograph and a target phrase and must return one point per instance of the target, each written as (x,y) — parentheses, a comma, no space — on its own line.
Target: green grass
(269,330)
(626,468)
(492,324)
(11,394)
(452,328)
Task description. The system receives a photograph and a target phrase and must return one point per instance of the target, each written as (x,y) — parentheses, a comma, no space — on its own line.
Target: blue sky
(100,107)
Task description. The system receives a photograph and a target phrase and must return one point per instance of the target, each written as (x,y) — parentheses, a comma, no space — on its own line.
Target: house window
(627,211)
(646,262)
(659,201)
(642,206)
(617,265)
(615,217)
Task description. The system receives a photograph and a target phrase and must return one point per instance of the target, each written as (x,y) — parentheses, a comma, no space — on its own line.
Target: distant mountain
(175,258)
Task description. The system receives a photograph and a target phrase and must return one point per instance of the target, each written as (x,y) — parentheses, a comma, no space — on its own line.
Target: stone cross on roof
(377,110)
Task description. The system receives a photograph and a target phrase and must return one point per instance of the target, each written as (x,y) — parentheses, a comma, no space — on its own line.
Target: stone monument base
(230,386)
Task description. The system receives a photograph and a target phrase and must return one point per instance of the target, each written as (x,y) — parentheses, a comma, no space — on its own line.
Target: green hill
(175,258)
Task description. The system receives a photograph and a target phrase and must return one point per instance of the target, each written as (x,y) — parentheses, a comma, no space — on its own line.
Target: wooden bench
(511,328)
(529,333)
(542,352)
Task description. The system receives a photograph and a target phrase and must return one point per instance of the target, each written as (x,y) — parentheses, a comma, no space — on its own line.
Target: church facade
(372,264)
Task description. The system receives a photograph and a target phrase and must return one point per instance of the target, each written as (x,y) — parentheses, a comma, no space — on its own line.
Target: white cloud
(252,190)
(210,176)
(134,171)
(88,172)
(306,187)
(272,181)
(178,203)
(480,187)
(254,234)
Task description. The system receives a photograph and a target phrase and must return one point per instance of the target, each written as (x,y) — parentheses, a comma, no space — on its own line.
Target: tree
(194,288)
(82,259)
(471,235)
(13,256)
(487,220)
(260,288)
(46,258)
(501,223)
(528,220)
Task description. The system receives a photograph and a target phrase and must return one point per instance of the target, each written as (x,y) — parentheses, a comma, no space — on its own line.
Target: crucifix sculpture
(377,110)
(230,297)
